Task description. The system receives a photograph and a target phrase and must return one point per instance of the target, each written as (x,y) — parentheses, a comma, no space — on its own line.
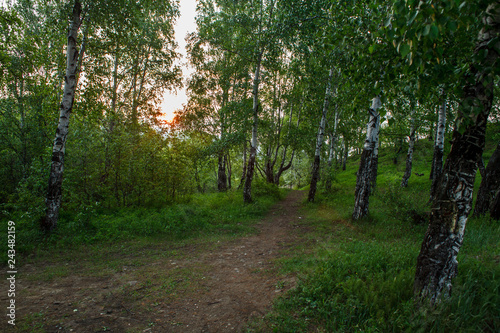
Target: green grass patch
(357,276)
(204,215)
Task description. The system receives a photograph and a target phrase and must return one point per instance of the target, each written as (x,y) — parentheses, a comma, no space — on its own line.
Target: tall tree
(366,166)
(247,187)
(411,145)
(437,262)
(54,192)
(320,139)
(437,159)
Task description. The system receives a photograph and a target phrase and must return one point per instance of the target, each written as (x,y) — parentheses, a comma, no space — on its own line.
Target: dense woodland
(285,94)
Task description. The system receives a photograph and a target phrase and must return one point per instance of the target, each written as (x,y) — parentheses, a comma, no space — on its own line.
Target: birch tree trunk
(409,156)
(374,164)
(54,192)
(346,154)
(437,160)
(221,172)
(365,172)
(490,184)
(284,167)
(333,140)
(247,188)
(244,172)
(437,262)
(320,139)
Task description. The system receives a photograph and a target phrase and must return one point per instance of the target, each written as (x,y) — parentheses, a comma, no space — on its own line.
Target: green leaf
(452,26)
(404,49)
(413,17)
(371,48)
(427,29)
(433,34)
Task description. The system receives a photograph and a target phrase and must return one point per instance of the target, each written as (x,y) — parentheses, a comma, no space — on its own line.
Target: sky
(185,24)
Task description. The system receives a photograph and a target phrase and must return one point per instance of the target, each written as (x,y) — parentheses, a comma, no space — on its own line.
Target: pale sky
(185,24)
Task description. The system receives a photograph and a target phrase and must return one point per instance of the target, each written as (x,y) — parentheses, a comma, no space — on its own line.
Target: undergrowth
(203,214)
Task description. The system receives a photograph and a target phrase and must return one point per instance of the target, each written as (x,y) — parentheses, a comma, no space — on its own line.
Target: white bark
(437,161)
(247,189)
(441,126)
(409,156)
(366,170)
(320,138)
(54,192)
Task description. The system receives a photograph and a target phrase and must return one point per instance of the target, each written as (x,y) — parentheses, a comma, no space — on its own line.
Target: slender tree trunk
(374,165)
(437,262)
(431,174)
(365,172)
(437,160)
(490,184)
(409,156)
(247,189)
(221,174)
(244,172)
(333,140)
(54,193)
(319,140)
(346,154)
(227,162)
(284,167)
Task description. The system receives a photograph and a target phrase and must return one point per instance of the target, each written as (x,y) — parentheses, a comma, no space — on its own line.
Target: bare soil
(219,285)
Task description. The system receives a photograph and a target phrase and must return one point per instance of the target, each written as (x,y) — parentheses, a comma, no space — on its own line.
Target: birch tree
(320,138)
(437,262)
(54,192)
(247,187)
(366,166)
(411,145)
(251,37)
(437,160)
(331,154)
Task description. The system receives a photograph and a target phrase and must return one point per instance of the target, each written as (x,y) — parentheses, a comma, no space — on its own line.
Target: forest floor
(207,285)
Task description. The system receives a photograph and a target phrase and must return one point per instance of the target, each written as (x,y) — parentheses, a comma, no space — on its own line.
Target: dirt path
(196,288)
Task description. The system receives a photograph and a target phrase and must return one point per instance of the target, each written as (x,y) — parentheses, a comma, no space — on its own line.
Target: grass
(357,276)
(207,215)
(130,245)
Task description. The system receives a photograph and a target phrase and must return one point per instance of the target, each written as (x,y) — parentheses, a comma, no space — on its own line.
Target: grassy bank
(358,276)
(202,215)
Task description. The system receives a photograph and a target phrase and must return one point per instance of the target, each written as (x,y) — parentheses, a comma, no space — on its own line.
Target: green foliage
(261,188)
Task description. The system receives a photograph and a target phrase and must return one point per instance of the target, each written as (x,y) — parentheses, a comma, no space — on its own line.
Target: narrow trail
(241,283)
(208,288)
